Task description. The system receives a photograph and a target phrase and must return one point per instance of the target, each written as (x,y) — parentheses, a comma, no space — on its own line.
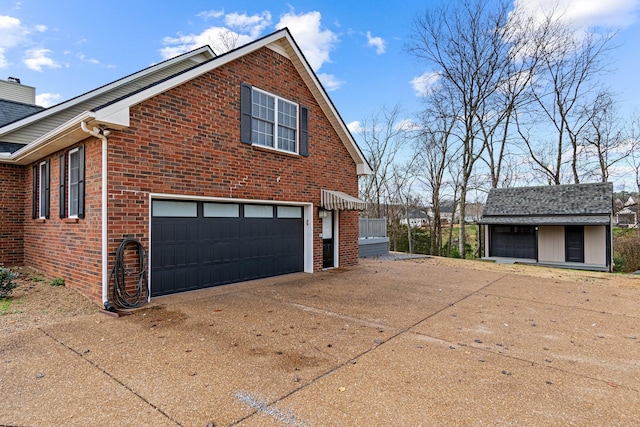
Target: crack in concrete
(113,377)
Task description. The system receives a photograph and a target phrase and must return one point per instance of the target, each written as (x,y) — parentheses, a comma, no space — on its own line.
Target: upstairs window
(274,122)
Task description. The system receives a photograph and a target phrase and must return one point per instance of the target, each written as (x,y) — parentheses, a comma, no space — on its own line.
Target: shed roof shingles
(576,203)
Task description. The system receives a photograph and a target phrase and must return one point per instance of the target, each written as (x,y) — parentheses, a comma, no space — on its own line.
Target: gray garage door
(197,245)
(513,241)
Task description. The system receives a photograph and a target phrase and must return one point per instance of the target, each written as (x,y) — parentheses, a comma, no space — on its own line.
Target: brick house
(221,168)
(558,225)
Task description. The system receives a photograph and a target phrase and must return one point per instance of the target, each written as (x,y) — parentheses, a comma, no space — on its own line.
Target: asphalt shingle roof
(10,111)
(557,204)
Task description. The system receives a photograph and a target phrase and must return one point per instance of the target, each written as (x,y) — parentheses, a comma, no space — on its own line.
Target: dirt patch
(609,279)
(35,303)
(157,316)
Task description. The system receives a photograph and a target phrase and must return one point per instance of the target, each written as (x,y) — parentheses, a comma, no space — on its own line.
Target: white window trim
(75,150)
(275,123)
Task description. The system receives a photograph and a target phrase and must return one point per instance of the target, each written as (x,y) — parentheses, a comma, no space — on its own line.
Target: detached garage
(561,225)
(199,244)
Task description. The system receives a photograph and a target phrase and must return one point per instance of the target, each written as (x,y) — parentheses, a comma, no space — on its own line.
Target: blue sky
(67,47)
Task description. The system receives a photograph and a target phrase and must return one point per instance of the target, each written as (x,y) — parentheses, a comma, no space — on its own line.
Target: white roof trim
(69,131)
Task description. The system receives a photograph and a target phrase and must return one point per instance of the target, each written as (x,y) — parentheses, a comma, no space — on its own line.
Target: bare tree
(564,84)
(402,181)
(524,39)
(633,159)
(465,43)
(604,144)
(382,136)
(226,40)
(433,153)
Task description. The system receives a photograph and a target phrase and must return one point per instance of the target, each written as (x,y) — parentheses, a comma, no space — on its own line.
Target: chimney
(12,90)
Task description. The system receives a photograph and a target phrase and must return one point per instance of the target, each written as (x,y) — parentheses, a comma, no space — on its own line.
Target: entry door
(327,240)
(574,243)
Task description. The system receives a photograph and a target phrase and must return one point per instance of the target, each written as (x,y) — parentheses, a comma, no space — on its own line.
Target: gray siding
(373,247)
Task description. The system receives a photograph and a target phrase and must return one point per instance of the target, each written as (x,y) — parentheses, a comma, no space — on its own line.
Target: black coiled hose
(135,297)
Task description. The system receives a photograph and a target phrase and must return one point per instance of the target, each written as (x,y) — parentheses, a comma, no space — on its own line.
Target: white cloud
(315,43)
(330,82)
(354,127)
(82,57)
(584,13)
(3,60)
(407,125)
(377,42)
(48,99)
(214,36)
(424,83)
(12,32)
(251,24)
(211,14)
(37,58)
(240,29)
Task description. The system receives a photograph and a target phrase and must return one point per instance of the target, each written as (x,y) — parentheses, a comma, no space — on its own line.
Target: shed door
(513,241)
(574,243)
(197,245)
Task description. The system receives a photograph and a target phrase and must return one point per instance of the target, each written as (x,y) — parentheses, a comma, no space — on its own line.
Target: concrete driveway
(386,343)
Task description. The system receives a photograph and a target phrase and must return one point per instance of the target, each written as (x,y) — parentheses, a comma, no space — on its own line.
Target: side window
(270,121)
(41,190)
(76,183)
(73,183)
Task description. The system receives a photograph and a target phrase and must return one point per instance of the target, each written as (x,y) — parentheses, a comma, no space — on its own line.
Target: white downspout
(102,135)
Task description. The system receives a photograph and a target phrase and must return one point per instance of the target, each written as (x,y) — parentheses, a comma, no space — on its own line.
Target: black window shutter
(245,113)
(63,182)
(81,181)
(304,131)
(47,188)
(34,196)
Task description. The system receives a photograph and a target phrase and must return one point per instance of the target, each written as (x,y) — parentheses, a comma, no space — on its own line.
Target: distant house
(563,225)
(418,217)
(626,214)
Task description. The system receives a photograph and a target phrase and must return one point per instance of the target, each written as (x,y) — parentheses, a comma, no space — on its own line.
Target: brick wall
(66,247)
(12,197)
(186,141)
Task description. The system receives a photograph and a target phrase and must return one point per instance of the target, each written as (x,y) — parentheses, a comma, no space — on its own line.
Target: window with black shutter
(273,122)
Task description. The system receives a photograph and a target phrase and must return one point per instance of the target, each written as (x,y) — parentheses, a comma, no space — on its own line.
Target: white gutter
(102,135)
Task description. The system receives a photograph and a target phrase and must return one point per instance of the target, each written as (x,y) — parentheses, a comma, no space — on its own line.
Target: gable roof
(579,204)
(108,106)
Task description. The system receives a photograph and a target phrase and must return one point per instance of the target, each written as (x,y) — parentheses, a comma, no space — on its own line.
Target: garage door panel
(513,242)
(198,252)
